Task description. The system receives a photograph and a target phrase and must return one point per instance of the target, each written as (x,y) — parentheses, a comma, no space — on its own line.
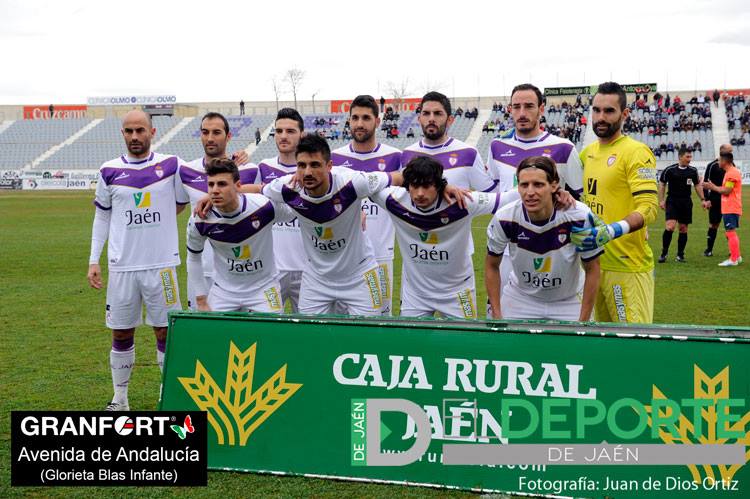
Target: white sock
(121,363)
(160,359)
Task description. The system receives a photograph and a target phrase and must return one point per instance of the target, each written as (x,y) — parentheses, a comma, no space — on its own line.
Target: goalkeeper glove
(599,234)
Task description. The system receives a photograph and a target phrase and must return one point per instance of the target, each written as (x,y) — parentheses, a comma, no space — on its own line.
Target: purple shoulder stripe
(325,211)
(240,231)
(433,221)
(140,178)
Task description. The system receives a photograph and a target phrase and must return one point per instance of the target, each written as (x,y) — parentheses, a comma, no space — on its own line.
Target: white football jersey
(462,164)
(194,183)
(242,242)
(545,264)
(507,152)
(287,240)
(142,195)
(434,243)
(383,158)
(330,225)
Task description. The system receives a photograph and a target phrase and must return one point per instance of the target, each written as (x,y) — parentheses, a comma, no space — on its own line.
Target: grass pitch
(54,347)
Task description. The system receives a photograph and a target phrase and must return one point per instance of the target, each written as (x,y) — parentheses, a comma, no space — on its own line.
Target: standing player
(342,268)
(238,227)
(731,206)
(547,281)
(677,179)
(619,178)
(715,175)
(287,241)
(365,154)
(135,211)
(462,164)
(527,139)
(433,237)
(215,136)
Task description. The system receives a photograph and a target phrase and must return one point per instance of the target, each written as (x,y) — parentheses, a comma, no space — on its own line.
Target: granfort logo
(100,426)
(237,406)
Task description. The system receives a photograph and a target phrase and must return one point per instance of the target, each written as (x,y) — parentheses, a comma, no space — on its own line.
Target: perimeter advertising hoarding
(405,104)
(58,112)
(606,410)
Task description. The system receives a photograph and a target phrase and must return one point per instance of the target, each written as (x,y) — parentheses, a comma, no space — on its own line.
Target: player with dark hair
(290,258)
(712,202)
(619,180)
(676,180)
(433,237)
(238,227)
(365,154)
(215,136)
(546,281)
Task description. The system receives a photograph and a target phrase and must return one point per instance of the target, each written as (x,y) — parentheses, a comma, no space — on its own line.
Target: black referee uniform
(716,175)
(679,204)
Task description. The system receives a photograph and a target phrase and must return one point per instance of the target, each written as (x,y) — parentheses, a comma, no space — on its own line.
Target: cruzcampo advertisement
(587,411)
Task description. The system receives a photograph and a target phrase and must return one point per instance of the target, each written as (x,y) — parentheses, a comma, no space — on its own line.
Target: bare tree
(294,77)
(276,82)
(399,90)
(429,85)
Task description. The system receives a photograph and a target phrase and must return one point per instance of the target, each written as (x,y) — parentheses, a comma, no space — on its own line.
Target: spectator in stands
(257,136)
(410,133)
(394,132)
(51,111)
(242,107)
(697,146)
(459,112)
(382,104)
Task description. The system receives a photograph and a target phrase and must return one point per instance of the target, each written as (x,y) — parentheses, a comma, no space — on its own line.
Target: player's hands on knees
(94,276)
(202,303)
(202,207)
(564,199)
(240,157)
(456,194)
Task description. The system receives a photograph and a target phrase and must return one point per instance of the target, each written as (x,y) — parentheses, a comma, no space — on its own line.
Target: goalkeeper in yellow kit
(619,185)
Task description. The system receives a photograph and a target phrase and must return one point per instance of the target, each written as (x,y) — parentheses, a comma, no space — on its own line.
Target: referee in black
(677,180)
(715,174)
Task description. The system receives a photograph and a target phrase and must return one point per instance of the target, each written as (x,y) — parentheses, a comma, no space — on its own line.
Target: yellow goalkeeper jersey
(613,176)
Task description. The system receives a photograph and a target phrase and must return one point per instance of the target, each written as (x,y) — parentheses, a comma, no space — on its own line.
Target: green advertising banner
(537,408)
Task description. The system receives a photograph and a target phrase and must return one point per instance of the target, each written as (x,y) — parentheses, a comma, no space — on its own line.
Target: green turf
(54,348)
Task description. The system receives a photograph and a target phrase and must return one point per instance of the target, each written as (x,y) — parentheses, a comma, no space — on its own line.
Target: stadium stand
(738,122)
(25,140)
(666,125)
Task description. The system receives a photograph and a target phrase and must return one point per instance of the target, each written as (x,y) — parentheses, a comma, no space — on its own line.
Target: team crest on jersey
(324,232)
(547,153)
(562,236)
(242,252)
(159,172)
(611,160)
(445,220)
(453,159)
(142,199)
(337,205)
(255,223)
(381,164)
(543,264)
(429,238)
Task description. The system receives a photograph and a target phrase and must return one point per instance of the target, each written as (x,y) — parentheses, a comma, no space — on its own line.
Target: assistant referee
(677,180)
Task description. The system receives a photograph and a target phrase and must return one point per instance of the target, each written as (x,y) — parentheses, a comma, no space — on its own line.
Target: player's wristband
(618,229)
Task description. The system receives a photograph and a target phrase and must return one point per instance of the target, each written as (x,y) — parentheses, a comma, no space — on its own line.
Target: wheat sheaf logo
(237,411)
(716,389)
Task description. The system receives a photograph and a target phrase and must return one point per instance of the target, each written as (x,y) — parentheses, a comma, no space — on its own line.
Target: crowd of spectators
(738,120)
(655,115)
(667,147)
(572,121)
(471,114)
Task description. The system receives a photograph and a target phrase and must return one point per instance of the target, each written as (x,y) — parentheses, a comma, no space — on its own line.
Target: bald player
(137,201)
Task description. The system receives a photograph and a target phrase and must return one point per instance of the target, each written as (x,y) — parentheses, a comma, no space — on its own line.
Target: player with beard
(215,136)
(135,201)
(619,178)
(287,242)
(527,139)
(462,164)
(365,154)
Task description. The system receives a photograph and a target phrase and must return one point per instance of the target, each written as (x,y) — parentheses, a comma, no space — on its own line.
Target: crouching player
(238,228)
(546,281)
(434,238)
